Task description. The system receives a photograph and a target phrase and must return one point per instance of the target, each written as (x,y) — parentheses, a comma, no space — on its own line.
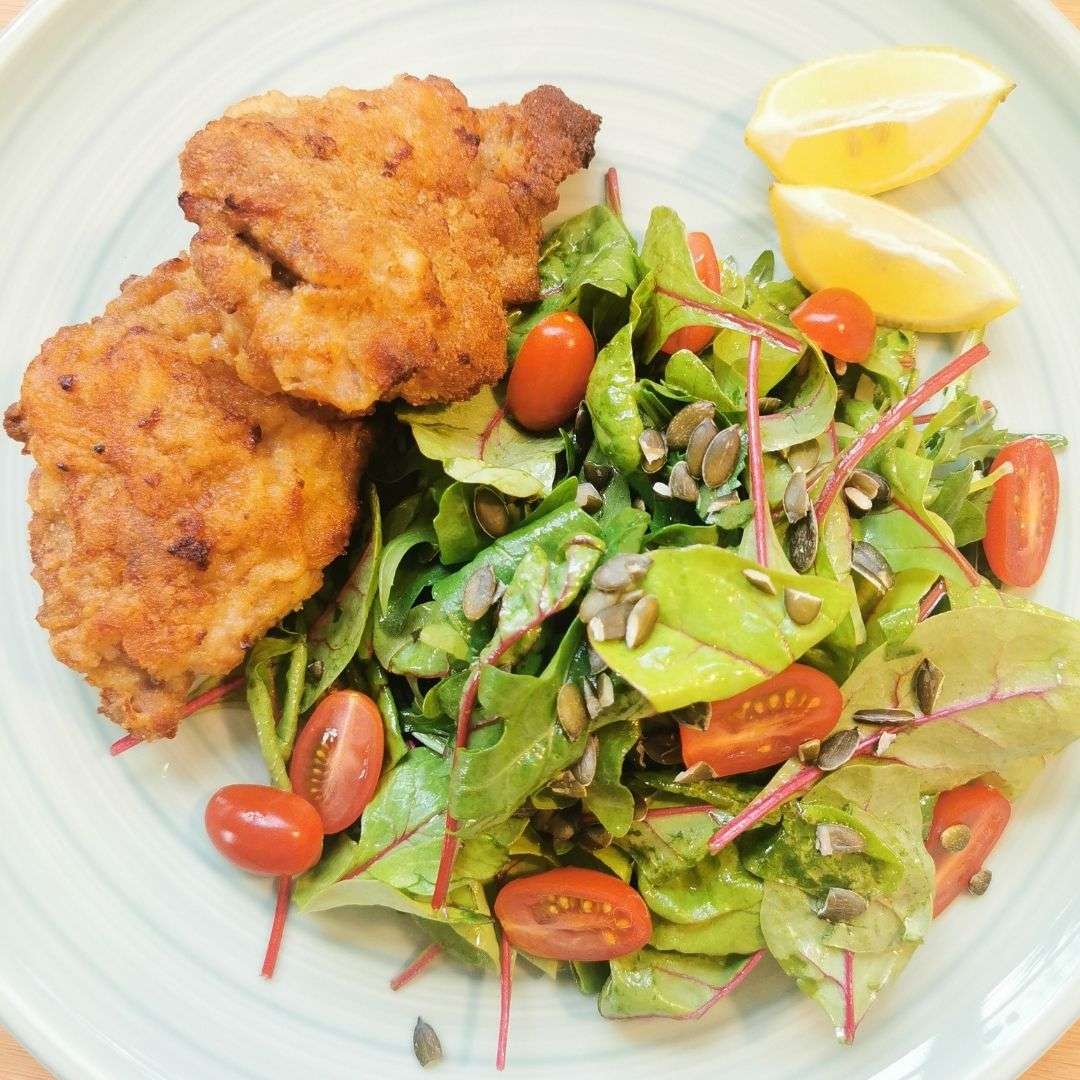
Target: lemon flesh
(910,273)
(873,121)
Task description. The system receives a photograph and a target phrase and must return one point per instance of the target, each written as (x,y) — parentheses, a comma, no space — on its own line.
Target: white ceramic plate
(127,948)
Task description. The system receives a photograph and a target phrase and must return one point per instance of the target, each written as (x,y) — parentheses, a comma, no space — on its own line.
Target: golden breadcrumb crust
(364,243)
(178,514)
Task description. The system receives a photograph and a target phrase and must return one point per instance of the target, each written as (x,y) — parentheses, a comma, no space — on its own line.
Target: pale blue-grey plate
(127,948)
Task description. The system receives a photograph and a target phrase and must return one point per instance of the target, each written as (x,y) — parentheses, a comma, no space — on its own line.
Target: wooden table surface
(1062,1062)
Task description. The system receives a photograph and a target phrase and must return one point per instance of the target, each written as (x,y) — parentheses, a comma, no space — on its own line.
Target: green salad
(718,669)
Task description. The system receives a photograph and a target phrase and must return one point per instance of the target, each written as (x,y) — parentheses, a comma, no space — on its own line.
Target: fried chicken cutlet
(178,514)
(364,243)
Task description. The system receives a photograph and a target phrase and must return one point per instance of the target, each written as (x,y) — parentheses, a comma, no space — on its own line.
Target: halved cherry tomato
(695,338)
(548,380)
(573,914)
(985,811)
(1022,514)
(765,724)
(264,830)
(337,760)
(839,321)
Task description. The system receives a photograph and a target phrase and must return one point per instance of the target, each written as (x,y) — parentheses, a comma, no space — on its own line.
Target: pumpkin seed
(479,593)
(683,485)
(696,715)
(840,367)
(804,456)
(885,740)
(662,489)
(621,572)
(642,619)
(719,504)
(583,429)
(560,827)
(566,783)
(594,602)
(699,442)
(491,511)
(610,624)
(837,749)
(808,751)
(570,711)
(872,566)
(858,501)
(584,769)
(927,684)
(979,883)
(588,498)
(661,744)
(596,838)
(796,497)
(425,1043)
(817,472)
(802,542)
(598,475)
(685,420)
(760,580)
(641,808)
(842,905)
(315,670)
(721,457)
(596,662)
(956,837)
(838,840)
(604,689)
(872,485)
(882,716)
(802,607)
(768,404)
(638,503)
(700,770)
(653,450)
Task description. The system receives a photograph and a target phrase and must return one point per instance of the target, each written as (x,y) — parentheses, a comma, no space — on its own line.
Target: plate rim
(62,1058)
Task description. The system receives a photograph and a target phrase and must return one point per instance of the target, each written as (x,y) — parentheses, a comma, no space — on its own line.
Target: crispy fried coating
(178,514)
(364,243)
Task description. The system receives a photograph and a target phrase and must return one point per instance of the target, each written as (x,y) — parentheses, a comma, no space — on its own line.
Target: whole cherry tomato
(839,321)
(264,830)
(551,372)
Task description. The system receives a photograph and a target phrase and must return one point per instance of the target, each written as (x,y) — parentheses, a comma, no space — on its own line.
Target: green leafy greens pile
(465,609)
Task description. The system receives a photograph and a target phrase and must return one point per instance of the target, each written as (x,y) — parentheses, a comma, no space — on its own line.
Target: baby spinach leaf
(404,652)
(335,635)
(649,983)
(897,613)
(737,931)
(686,371)
(672,837)
(456,532)
(369,892)
(717,634)
(1011,690)
(565,491)
(473,943)
(810,412)
(494,779)
(420,532)
(593,250)
(476,443)
(610,396)
(608,798)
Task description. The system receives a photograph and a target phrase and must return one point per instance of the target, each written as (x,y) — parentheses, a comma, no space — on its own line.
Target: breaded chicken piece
(178,514)
(364,243)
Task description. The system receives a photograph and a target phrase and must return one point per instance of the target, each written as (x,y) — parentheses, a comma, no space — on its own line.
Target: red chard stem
(506,977)
(417,967)
(277,929)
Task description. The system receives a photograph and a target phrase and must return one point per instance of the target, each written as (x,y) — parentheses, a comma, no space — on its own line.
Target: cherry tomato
(695,338)
(985,811)
(548,380)
(337,760)
(839,321)
(573,914)
(1022,514)
(264,829)
(765,724)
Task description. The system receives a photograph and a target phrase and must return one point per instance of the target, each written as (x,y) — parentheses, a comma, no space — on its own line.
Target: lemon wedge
(911,273)
(872,121)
